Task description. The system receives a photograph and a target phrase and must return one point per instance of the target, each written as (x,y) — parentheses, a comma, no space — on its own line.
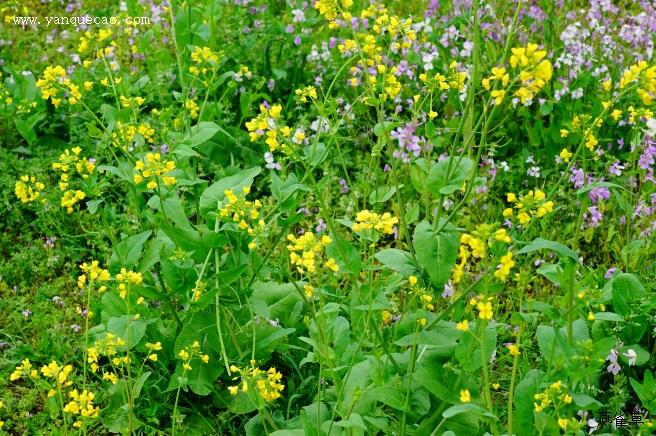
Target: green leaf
(354,420)
(596,185)
(138,384)
(585,402)
(625,289)
(279,298)
(129,329)
(397,260)
(543,244)
(382,194)
(646,391)
(444,180)
(523,402)
(315,153)
(608,316)
(127,252)
(214,193)
(436,253)
(468,408)
(345,254)
(199,134)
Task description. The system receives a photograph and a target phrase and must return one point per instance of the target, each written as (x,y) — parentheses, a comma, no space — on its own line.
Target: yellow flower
(484,310)
(496,386)
(562,423)
(513,349)
(465,396)
(463,325)
(565,155)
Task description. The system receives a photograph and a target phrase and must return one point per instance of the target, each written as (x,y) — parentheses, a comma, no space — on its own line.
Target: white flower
(631,355)
(651,127)
(593,425)
(533,172)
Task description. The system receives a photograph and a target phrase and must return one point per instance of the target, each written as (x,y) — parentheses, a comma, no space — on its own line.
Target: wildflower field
(327,217)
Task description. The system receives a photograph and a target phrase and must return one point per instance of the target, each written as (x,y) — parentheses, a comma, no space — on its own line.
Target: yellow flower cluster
(2,423)
(535,71)
(69,161)
(440,82)
(94,273)
(28,189)
(422,294)
(106,346)
(267,383)
(55,81)
(306,250)
(644,77)
(101,41)
(126,278)
(152,168)
(60,375)
(554,395)
(499,75)
(25,369)
(308,91)
(125,135)
(190,352)
(157,346)
(366,220)
(475,244)
(131,102)
(204,59)
(528,206)
(243,212)
(192,107)
(81,403)
(332,9)
(266,124)
(395,34)
(483,307)
(503,269)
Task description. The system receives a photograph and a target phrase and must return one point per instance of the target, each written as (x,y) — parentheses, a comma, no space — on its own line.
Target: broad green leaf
(127,252)
(382,194)
(436,252)
(449,174)
(397,260)
(468,408)
(543,244)
(200,133)
(625,289)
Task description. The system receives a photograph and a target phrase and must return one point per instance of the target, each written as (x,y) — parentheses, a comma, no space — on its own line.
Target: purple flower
(614,368)
(448,290)
(344,185)
(409,144)
(321,226)
(593,217)
(599,194)
(616,168)
(270,162)
(610,273)
(577,177)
